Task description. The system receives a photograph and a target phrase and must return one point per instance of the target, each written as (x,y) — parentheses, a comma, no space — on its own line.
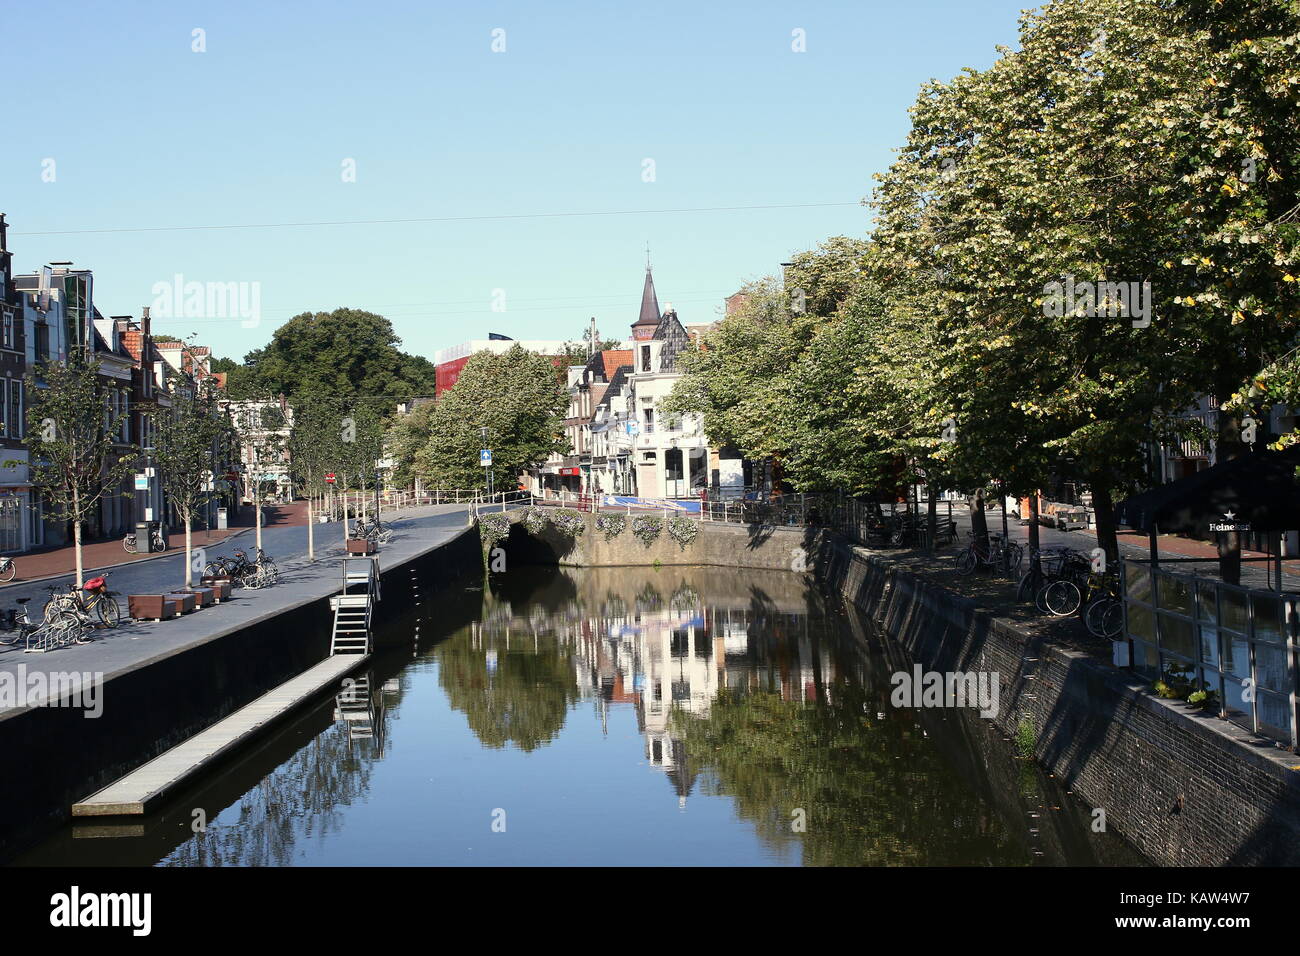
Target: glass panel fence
(1268,618)
(1236,652)
(1232,609)
(1176,634)
(1175,593)
(1137,581)
(1209,644)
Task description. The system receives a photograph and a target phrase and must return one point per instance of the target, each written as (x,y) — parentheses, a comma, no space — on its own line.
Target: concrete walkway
(131,646)
(146,786)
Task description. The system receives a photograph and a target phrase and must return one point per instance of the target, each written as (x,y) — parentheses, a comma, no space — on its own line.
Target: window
(4,412)
(8,338)
(16,424)
(42,342)
(645,358)
(649,421)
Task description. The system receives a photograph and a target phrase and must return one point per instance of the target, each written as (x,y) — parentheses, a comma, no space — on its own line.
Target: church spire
(648,320)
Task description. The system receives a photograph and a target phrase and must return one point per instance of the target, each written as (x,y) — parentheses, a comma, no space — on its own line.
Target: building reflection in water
(647,639)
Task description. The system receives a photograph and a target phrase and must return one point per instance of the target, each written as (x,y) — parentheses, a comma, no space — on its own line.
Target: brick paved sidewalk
(105,554)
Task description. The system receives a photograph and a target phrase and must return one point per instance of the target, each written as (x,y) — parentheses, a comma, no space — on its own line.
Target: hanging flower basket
(568,522)
(534,521)
(683,530)
(611,525)
(647,528)
(493,528)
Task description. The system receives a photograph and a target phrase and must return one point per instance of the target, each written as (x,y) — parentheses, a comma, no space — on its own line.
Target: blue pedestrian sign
(485,457)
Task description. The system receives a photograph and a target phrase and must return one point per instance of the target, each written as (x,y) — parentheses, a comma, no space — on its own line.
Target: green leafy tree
(74,439)
(315,450)
(190,438)
(516,396)
(407,435)
(332,354)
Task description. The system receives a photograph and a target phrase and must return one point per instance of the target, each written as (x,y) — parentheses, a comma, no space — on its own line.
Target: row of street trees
(79,457)
(1072,246)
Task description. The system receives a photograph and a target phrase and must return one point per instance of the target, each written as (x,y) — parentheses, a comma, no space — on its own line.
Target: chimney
(4,234)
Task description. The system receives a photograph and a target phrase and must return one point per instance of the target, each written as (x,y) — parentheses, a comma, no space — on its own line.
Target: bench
(222,588)
(152,607)
(185,600)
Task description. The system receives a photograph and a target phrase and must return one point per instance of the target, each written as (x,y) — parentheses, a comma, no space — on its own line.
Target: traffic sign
(142,481)
(485,457)
(329,478)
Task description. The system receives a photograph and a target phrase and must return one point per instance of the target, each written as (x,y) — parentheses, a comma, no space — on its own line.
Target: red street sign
(329,478)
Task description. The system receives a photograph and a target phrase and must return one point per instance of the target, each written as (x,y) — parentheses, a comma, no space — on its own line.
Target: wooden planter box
(360,546)
(202,596)
(184,600)
(152,607)
(221,588)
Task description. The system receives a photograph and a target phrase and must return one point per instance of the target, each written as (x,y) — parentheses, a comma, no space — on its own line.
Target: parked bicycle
(156,542)
(64,627)
(372,529)
(1103,606)
(245,572)
(8,568)
(93,596)
(999,553)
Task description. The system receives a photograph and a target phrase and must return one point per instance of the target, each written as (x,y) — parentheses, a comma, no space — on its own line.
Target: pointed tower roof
(648,320)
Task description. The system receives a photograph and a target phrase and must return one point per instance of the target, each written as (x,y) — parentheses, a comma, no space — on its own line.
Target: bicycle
(63,628)
(1044,568)
(373,530)
(1063,596)
(157,542)
(1103,607)
(8,568)
(999,553)
(93,595)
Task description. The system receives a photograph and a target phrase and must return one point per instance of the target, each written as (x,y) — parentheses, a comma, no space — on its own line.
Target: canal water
(639,716)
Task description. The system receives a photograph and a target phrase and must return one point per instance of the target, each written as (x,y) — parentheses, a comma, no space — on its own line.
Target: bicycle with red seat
(93,596)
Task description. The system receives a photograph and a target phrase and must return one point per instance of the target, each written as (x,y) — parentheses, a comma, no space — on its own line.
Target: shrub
(647,528)
(611,525)
(683,530)
(568,522)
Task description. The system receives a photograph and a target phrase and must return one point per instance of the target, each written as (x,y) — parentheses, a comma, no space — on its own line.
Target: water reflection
(571,697)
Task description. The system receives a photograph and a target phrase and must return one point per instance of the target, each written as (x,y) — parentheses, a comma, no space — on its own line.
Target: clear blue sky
(146,133)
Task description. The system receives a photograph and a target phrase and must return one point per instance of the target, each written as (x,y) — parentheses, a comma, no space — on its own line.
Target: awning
(1255,492)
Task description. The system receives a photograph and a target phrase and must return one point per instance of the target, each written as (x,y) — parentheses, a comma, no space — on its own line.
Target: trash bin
(144,537)
(221,519)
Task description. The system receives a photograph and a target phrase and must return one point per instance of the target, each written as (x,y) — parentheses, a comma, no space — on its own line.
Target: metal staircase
(354,606)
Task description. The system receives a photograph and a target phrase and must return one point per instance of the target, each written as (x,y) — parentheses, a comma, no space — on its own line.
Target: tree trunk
(932,516)
(1104,507)
(311,531)
(76,534)
(1033,521)
(189,562)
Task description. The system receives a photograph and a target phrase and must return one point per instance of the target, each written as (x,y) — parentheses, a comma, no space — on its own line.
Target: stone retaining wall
(1184,788)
